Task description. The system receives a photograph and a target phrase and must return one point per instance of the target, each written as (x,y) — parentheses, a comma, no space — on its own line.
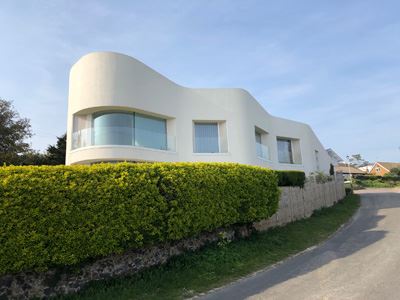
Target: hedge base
(26,285)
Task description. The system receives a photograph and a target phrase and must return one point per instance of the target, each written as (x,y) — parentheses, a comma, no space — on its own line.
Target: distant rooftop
(346,169)
(389,165)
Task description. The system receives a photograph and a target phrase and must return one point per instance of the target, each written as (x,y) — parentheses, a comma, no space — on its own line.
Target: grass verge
(214,266)
(368,183)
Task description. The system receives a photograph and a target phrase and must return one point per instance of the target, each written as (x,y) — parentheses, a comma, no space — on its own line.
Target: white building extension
(121,110)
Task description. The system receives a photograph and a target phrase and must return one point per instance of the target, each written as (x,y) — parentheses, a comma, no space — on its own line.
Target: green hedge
(291,178)
(64,215)
(379,178)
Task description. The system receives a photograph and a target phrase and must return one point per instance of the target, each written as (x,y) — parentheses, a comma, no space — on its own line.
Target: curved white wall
(104,81)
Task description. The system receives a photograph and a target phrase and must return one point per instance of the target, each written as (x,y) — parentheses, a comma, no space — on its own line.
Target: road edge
(341,228)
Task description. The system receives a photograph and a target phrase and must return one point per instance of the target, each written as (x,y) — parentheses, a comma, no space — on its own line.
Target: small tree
(395,171)
(56,153)
(331,170)
(14,130)
(33,158)
(357,161)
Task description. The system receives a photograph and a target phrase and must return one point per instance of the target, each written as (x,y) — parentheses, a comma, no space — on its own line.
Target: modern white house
(119,109)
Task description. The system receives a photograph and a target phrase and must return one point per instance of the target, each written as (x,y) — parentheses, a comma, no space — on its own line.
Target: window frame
(134,128)
(291,150)
(217,123)
(263,142)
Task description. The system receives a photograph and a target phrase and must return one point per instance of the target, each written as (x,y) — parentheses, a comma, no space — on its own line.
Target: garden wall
(298,203)
(56,281)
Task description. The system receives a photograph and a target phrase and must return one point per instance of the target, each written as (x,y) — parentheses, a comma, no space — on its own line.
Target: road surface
(361,261)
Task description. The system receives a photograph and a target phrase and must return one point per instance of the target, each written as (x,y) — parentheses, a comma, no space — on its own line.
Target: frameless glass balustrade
(125,129)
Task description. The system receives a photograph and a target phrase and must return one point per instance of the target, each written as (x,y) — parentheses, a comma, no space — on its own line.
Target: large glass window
(150,132)
(120,128)
(114,128)
(285,154)
(206,138)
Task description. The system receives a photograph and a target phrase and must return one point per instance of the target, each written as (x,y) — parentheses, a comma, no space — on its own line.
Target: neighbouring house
(348,170)
(119,109)
(366,168)
(381,168)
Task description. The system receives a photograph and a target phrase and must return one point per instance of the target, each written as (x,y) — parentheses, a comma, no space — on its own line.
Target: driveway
(361,261)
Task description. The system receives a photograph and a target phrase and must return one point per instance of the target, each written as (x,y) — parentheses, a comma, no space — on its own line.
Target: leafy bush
(291,178)
(388,177)
(321,177)
(367,183)
(331,170)
(395,172)
(64,215)
(198,195)
(388,180)
(348,191)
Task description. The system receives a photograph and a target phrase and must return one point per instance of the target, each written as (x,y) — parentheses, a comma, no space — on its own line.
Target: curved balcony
(123,136)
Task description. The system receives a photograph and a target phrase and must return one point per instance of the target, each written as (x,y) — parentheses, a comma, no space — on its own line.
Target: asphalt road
(361,261)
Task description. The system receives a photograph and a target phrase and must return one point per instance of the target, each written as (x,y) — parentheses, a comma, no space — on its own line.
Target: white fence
(298,203)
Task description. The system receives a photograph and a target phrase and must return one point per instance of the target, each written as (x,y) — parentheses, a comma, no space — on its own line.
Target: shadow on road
(360,233)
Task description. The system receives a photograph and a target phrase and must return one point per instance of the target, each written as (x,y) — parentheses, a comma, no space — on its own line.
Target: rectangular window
(206,138)
(150,132)
(262,150)
(259,145)
(317,159)
(258,137)
(285,154)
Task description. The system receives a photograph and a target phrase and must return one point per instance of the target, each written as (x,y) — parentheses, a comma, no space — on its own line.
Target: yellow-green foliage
(64,215)
(204,196)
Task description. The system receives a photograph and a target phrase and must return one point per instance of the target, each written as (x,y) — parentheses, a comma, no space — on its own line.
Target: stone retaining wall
(27,285)
(298,203)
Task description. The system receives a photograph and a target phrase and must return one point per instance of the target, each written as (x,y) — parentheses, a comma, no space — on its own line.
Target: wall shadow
(360,233)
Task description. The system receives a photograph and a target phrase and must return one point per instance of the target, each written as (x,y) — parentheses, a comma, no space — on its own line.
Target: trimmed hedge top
(379,178)
(64,215)
(291,178)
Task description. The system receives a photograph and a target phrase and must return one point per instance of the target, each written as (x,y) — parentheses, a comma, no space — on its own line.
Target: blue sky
(332,64)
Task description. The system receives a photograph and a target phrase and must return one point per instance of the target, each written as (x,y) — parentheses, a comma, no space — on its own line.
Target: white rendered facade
(121,110)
